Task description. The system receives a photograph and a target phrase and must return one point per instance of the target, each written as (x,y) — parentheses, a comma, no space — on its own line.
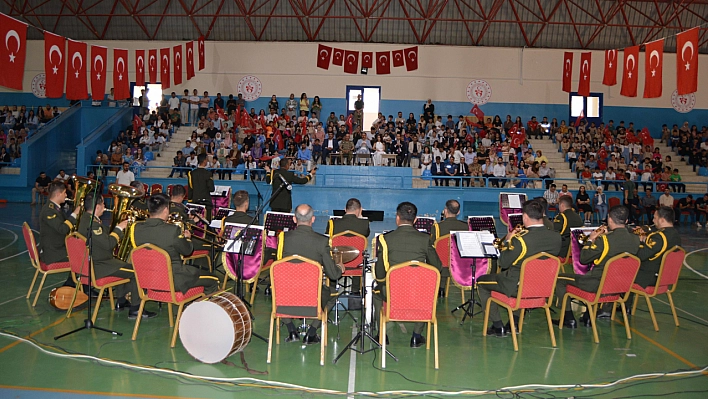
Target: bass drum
(215,328)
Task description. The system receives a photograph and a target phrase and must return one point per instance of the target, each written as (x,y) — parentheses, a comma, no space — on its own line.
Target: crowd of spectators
(17,124)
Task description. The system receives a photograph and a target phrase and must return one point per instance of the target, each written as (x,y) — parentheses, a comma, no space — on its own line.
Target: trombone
(583,238)
(176,219)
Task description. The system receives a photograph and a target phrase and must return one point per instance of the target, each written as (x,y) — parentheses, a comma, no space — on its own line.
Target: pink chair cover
(504,214)
(251,263)
(578,267)
(461,268)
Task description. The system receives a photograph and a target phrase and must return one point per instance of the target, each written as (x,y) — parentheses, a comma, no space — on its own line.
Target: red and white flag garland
(383,60)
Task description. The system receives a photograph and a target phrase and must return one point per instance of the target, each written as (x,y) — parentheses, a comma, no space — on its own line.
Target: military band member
(175,242)
(602,245)
(517,246)
(241,203)
(306,242)
(283,201)
(177,195)
(655,244)
(140,203)
(104,263)
(201,185)
(404,244)
(352,220)
(546,221)
(443,228)
(54,226)
(564,221)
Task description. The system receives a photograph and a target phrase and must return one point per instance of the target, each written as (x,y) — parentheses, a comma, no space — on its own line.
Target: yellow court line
(135,395)
(41,330)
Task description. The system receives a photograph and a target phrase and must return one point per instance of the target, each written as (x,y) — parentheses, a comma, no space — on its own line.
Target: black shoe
(293,337)
(417,342)
(122,306)
(376,337)
(567,323)
(603,314)
(311,339)
(267,291)
(585,319)
(499,332)
(507,327)
(133,314)
(441,293)
(94,293)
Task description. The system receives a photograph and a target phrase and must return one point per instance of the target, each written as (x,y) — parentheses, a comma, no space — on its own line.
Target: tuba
(82,186)
(122,197)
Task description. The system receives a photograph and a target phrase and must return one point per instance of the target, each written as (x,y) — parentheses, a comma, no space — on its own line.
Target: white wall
(515,75)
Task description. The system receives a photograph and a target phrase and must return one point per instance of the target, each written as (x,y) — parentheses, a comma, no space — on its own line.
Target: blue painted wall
(100,137)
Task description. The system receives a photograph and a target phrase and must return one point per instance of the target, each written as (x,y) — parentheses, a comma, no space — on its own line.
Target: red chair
(613,201)
(40,267)
(145,190)
(666,281)
(442,247)
(617,278)
(536,285)
(296,283)
(568,259)
(155,188)
(153,276)
(78,253)
(351,239)
(411,292)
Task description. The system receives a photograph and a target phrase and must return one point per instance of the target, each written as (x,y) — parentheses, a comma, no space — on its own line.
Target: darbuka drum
(215,328)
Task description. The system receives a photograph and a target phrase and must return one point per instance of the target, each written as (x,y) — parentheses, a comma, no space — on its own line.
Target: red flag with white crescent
(76,84)
(567,71)
(687,61)
(13,52)
(653,68)
(411,58)
(165,67)
(584,80)
(121,85)
(54,60)
(137,123)
(337,57)
(367,59)
(351,62)
(202,54)
(140,67)
(610,76)
(383,62)
(629,72)
(324,54)
(177,61)
(220,112)
(190,59)
(397,56)
(350,122)
(152,65)
(99,56)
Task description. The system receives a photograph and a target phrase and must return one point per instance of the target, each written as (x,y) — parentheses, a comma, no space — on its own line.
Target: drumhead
(206,332)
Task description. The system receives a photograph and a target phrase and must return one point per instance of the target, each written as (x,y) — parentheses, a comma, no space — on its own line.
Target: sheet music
(475,244)
(514,201)
(221,191)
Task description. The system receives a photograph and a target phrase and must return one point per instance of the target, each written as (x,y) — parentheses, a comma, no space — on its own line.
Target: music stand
(424,224)
(510,203)
(220,215)
(483,250)
(515,219)
(364,328)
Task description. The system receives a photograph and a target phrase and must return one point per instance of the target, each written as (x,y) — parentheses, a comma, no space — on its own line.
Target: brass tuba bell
(82,186)
(122,198)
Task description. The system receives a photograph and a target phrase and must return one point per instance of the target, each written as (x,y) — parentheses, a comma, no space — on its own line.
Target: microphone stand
(88,323)
(260,199)
(239,287)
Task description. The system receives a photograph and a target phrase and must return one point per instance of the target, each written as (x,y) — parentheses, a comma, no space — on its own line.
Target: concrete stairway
(175,144)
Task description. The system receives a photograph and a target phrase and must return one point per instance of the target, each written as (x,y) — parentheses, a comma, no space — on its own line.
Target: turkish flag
(629,73)
(152,65)
(476,111)
(686,61)
(54,58)
(567,71)
(177,57)
(220,112)
(121,86)
(337,57)
(190,60)
(367,59)
(584,81)
(165,67)
(351,62)
(350,122)
(140,67)
(653,68)
(99,55)
(137,123)
(610,77)
(76,86)
(397,58)
(579,118)
(411,58)
(13,50)
(383,62)
(202,57)
(324,54)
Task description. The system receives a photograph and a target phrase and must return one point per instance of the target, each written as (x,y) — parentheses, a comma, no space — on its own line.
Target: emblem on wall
(683,103)
(479,91)
(39,83)
(250,86)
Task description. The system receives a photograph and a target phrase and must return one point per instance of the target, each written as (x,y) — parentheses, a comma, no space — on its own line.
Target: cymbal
(344,254)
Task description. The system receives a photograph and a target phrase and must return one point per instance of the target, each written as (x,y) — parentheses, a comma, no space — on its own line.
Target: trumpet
(583,238)
(641,232)
(498,243)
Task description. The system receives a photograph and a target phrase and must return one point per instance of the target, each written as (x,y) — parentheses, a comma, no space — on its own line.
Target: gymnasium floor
(96,364)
